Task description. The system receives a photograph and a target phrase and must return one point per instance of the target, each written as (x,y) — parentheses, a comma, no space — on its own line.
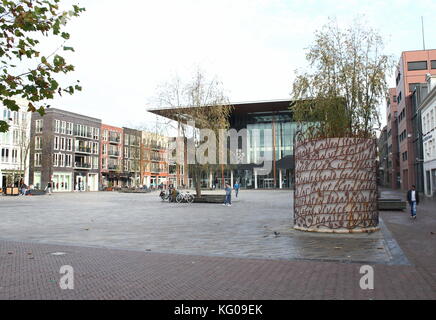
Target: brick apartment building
(132,156)
(411,71)
(393,162)
(112,174)
(65,150)
(154,160)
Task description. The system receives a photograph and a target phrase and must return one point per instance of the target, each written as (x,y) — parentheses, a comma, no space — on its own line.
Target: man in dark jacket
(413,199)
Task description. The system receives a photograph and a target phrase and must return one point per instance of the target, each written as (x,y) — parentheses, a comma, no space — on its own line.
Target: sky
(125,49)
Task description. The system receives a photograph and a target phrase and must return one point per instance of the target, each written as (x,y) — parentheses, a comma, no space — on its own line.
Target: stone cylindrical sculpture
(336,185)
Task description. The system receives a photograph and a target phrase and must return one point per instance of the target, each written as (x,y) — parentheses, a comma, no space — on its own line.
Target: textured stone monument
(336,185)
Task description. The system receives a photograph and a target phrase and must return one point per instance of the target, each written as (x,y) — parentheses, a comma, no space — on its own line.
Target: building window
(95,163)
(417,65)
(404,155)
(95,147)
(56,143)
(14,156)
(105,135)
(38,141)
(63,127)
(38,126)
(104,149)
(16,137)
(104,164)
(38,159)
(96,133)
(57,126)
(68,160)
(62,144)
(55,160)
(5,155)
(69,146)
(69,129)
(433,64)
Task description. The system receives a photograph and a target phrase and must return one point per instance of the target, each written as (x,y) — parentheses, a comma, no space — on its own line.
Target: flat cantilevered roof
(239,107)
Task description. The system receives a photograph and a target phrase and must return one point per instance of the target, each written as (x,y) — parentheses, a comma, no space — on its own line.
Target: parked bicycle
(184,197)
(164,195)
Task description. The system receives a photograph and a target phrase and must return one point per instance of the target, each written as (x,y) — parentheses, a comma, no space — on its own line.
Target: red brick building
(412,70)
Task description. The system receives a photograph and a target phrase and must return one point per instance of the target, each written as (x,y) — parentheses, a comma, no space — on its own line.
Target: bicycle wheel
(179,198)
(190,198)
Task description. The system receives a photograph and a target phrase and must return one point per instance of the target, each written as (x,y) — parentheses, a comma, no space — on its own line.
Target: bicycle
(185,197)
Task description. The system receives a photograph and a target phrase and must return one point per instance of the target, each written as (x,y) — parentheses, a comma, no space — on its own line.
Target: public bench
(392,204)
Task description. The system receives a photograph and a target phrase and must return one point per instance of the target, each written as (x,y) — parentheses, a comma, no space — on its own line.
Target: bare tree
(201,101)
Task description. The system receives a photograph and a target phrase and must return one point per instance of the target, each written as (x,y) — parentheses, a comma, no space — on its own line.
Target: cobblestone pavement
(404,268)
(258,225)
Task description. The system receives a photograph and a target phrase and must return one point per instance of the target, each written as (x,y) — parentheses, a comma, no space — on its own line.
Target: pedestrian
(23,189)
(49,188)
(215,183)
(236,187)
(228,201)
(413,199)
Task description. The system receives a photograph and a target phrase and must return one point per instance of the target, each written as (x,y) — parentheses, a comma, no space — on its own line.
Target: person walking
(413,199)
(236,187)
(228,201)
(49,188)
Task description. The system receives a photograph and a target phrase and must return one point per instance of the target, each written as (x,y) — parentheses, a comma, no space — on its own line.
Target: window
(55,160)
(105,149)
(38,126)
(126,152)
(62,160)
(404,156)
(16,118)
(433,64)
(104,164)
(14,156)
(56,143)
(69,146)
(399,97)
(57,126)
(69,129)
(105,135)
(38,143)
(62,145)
(5,155)
(63,127)
(16,137)
(68,160)
(38,159)
(417,65)
(126,139)
(95,147)
(394,99)
(95,162)
(96,133)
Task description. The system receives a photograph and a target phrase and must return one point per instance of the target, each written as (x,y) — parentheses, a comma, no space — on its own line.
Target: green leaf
(69,49)
(11,104)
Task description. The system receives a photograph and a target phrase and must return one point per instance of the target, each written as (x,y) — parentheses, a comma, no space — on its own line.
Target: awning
(286,163)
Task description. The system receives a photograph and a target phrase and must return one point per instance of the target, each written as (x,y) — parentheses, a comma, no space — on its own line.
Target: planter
(12,191)
(336,186)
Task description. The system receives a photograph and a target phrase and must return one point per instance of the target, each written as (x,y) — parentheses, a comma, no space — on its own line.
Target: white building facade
(428,117)
(15,146)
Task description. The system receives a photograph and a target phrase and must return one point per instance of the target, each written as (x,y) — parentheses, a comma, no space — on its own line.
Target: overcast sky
(125,49)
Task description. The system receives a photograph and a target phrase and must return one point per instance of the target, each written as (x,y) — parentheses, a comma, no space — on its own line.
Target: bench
(210,198)
(392,204)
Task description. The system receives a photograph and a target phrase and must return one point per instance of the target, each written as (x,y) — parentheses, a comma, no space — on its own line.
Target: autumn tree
(340,94)
(26,72)
(200,103)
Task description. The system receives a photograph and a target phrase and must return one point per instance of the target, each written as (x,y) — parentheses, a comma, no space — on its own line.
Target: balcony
(82,165)
(86,150)
(115,154)
(114,140)
(114,168)
(77,134)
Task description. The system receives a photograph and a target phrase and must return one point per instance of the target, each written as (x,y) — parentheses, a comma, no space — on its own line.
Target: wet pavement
(258,225)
